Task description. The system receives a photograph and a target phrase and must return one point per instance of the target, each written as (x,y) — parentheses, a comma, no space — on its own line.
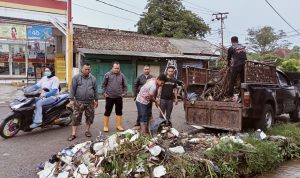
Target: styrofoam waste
(259,134)
(63,175)
(159,171)
(48,171)
(81,171)
(155,150)
(174,132)
(177,149)
(233,139)
(197,127)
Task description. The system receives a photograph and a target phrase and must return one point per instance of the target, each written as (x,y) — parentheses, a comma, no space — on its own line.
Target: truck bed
(215,114)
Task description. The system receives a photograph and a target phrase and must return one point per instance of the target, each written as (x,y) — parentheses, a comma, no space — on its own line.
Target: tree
(169,18)
(290,65)
(265,40)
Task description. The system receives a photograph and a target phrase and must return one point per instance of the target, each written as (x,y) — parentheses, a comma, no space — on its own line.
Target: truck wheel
(295,115)
(267,118)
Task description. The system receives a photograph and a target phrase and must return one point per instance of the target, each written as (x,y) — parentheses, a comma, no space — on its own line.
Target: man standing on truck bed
(237,52)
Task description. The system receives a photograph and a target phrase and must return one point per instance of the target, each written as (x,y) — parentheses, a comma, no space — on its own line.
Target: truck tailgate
(215,114)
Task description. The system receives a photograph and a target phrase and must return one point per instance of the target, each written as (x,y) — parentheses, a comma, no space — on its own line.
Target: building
(100,47)
(28,45)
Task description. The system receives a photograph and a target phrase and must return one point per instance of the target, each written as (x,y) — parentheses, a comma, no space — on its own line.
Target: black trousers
(234,73)
(109,104)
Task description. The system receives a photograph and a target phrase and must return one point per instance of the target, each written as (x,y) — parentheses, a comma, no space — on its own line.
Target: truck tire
(295,115)
(267,118)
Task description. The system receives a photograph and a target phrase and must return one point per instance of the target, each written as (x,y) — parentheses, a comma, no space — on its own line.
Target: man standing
(84,98)
(237,52)
(138,83)
(145,98)
(168,93)
(114,88)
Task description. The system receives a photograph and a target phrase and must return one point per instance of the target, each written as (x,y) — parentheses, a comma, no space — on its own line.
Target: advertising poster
(39,32)
(12,31)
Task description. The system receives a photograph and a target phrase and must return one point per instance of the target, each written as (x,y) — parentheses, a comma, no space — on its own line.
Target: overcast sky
(243,14)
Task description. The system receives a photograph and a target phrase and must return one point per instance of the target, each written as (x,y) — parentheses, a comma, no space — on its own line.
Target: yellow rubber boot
(119,123)
(105,123)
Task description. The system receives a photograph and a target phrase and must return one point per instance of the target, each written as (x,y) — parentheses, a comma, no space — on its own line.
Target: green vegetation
(169,18)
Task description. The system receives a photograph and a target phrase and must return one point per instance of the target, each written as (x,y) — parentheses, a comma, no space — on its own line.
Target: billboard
(47,6)
(39,32)
(12,31)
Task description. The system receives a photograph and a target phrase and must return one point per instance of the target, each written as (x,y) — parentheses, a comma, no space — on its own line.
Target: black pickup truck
(261,101)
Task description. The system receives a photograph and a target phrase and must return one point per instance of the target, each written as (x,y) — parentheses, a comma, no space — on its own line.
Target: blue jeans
(144,111)
(38,112)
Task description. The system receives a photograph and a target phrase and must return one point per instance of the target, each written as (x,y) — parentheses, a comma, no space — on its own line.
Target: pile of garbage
(127,154)
(130,154)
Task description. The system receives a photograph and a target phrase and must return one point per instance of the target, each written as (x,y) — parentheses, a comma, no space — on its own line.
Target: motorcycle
(22,110)
(180,89)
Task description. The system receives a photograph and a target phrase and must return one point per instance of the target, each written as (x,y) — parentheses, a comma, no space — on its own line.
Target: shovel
(155,124)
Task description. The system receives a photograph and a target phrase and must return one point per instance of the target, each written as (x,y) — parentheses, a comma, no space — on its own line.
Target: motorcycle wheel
(10,126)
(66,117)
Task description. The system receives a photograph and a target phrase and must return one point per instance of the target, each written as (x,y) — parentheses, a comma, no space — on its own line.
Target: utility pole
(69,56)
(221,16)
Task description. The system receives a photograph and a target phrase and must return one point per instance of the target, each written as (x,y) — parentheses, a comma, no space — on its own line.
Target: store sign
(39,32)
(47,6)
(12,31)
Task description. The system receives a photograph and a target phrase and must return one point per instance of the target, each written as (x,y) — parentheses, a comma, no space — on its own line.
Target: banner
(39,32)
(12,31)
(47,6)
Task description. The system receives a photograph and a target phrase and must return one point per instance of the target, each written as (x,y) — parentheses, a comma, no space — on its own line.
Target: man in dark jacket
(237,53)
(138,83)
(114,88)
(84,98)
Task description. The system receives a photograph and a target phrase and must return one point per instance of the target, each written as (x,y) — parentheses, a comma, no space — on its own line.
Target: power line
(103,12)
(282,17)
(119,7)
(129,5)
(207,10)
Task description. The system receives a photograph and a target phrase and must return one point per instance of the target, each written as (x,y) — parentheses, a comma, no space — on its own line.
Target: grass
(255,156)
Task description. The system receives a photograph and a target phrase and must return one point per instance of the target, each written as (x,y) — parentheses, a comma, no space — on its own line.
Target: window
(283,80)
(4,59)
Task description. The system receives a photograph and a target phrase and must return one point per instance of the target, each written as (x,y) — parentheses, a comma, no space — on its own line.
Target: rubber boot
(119,123)
(144,128)
(105,124)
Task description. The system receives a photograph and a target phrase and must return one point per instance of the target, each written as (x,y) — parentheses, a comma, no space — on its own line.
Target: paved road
(20,155)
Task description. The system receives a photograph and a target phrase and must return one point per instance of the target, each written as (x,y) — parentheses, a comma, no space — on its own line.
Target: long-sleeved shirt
(237,52)
(84,89)
(139,82)
(114,85)
(51,84)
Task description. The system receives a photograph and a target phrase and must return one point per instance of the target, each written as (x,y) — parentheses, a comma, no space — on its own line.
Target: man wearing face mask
(50,85)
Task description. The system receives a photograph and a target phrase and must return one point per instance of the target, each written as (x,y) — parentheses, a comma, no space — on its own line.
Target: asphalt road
(20,155)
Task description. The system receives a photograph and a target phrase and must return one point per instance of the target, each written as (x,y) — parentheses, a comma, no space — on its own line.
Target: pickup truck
(266,93)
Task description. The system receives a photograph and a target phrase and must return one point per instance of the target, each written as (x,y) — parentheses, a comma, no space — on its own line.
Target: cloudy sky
(243,14)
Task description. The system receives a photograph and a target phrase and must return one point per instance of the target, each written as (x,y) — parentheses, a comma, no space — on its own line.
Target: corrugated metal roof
(190,46)
(143,54)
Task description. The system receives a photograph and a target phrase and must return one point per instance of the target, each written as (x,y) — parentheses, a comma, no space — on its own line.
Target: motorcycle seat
(60,99)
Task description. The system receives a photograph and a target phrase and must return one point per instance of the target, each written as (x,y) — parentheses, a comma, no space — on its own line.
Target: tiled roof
(105,39)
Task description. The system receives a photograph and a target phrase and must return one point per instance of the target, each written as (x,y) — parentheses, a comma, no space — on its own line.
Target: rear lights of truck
(246,99)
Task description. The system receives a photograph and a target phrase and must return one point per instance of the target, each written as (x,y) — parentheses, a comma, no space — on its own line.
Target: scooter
(22,110)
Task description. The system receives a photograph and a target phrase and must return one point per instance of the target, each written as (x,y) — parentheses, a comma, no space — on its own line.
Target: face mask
(47,73)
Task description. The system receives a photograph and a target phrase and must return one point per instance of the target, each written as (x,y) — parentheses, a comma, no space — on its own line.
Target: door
(100,69)
(285,95)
